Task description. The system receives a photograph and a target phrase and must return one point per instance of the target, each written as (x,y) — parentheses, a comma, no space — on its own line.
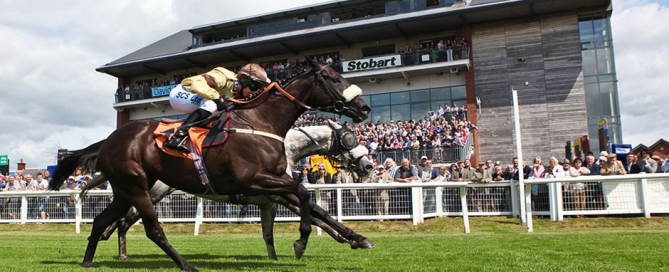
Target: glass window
(590,79)
(434,105)
(592,104)
(401,112)
(604,61)
(607,98)
(593,135)
(589,62)
(606,78)
(366,98)
(420,96)
(380,100)
(601,29)
(440,94)
(585,31)
(458,93)
(380,114)
(419,110)
(399,98)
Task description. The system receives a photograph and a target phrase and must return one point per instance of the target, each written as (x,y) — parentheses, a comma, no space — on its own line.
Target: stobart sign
(372,63)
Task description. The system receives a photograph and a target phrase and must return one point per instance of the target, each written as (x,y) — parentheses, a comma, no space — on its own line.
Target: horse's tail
(87,158)
(97,181)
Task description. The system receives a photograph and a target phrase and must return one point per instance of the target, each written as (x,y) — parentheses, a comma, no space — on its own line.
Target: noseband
(341,102)
(341,141)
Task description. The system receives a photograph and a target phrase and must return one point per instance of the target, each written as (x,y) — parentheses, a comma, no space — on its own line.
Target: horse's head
(346,149)
(331,92)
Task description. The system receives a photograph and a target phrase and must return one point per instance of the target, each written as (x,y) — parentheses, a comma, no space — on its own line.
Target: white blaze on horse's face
(358,152)
(351,92)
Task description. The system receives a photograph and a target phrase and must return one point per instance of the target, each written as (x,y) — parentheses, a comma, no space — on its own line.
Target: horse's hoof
(298,249)
(354,244)
(123,258)
(365,243)
(87,264)
(190,269)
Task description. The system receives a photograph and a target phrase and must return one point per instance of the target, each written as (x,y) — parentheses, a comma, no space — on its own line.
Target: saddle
(211,131)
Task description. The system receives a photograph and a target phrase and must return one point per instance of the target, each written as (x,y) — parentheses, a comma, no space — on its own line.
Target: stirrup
(178,144)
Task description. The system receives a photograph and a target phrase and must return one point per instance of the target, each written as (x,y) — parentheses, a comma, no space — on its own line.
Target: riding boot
(178,140)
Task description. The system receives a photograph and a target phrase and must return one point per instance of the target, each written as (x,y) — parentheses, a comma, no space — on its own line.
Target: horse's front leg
(305,221)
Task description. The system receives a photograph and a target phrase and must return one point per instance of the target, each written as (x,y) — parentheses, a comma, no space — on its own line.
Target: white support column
(439,200)
(465,211)
(528,205)
(199,215)
(340,205)
(417,207)
(319,202)
(558,201)
(552,200)
(24,209)
(519,151)
(77,212)
(645,202)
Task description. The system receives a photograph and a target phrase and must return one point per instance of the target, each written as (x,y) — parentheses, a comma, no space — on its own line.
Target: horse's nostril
(366,108)
(368,167)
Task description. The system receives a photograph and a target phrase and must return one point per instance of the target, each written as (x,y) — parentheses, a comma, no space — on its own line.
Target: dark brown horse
(250,163)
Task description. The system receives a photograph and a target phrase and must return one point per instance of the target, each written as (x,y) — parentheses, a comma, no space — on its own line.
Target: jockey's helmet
(255,72)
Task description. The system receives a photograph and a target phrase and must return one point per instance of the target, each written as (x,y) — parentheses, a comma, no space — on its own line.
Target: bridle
(342,101)
(341,144)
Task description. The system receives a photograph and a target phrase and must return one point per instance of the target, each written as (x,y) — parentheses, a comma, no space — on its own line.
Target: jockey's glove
(220,104)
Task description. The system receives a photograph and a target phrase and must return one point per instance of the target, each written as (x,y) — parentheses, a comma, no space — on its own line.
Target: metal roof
(174,52)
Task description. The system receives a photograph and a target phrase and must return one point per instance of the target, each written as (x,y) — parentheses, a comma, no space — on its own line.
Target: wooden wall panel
(552,106)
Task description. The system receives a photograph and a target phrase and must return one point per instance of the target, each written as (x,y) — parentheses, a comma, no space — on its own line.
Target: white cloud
(51,94)
(640,37)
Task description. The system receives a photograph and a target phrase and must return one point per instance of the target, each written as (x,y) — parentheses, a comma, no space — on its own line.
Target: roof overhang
(344,34)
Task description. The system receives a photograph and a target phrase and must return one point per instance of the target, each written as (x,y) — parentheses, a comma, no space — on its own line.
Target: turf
(495,244)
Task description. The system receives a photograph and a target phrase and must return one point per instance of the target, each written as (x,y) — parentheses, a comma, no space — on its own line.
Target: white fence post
(559,205)
(439,203)
(340,206)
(199,215)
(77,212)
(515,200)
(319,202)
(465,211)
(552,199)
(24,209)
(645,202)
(417,207)
(528,206)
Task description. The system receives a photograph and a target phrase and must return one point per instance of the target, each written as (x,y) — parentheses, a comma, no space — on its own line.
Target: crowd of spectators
(41,207)
(448,50)
(447,127)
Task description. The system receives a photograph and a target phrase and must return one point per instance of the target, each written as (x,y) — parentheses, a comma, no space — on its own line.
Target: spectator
(382,196)
(612,166)
(658,161)
(632,165)
(42,185)
(424,169)
(593,166)
(665,166)
(579,188)
(646,164)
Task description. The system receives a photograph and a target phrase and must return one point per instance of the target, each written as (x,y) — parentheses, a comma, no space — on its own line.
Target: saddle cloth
(200,136)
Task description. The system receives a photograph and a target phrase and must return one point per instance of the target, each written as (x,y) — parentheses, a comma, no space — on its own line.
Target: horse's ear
(333,125)
(312,62)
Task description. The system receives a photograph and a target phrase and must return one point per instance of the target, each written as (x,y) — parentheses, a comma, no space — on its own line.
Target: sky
(52,97)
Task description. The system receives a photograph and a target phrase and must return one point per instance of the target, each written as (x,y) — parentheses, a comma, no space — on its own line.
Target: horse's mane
(285,82)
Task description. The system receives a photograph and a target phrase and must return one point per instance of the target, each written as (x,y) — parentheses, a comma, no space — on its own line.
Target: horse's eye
(335,80)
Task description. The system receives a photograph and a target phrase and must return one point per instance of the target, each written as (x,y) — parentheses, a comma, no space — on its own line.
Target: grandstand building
(558,55)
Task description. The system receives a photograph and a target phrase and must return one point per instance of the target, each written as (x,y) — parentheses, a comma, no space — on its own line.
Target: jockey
(214,86)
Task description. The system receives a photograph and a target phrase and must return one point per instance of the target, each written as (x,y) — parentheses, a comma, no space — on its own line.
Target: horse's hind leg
(115,210)
(267,216)
(144,206)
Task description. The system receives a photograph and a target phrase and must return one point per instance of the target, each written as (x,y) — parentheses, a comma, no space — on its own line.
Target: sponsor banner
(4,160)
(162,91)
(372,63)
